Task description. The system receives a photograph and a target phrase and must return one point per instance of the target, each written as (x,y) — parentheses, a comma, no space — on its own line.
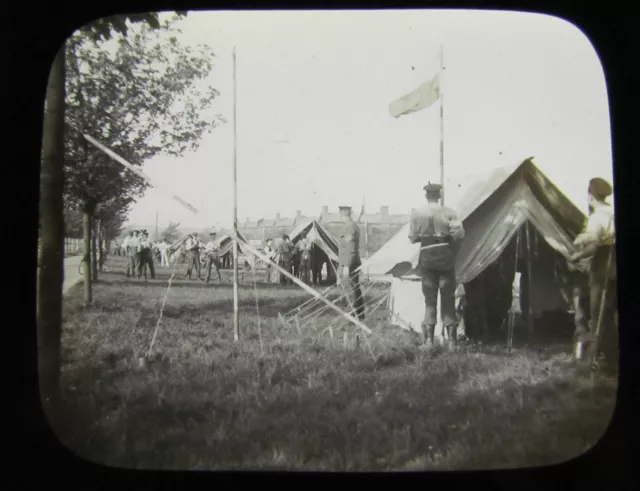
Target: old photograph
(327,241)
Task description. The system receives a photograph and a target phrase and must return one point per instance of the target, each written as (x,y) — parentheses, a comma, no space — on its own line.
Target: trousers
(351,283)
(445,282)
(146,260)
(213,262)
(304,270)
(609,324)
(193,261)
(287,265)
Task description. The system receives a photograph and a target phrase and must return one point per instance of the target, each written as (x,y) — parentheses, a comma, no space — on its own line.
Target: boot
(452,334)
(429,334)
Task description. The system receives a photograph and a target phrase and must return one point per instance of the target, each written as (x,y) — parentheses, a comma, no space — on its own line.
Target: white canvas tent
(493,207)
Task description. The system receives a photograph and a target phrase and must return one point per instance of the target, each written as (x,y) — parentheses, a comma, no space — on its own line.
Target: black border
(36,32)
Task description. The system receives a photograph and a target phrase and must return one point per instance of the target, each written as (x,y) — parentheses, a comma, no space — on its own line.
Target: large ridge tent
(495,209)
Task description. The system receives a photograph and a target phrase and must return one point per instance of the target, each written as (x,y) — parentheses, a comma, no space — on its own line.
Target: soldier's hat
(213,233)
(345,208)
(433,188)
(285,236)
(600,189)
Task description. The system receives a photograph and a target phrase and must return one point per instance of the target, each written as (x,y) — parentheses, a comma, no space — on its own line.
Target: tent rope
(255,289)
(164,302)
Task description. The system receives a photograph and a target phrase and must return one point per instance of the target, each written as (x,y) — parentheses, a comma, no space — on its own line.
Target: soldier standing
(192,247)
(305,259)
(598,244)
(437,229)
(349,257)
(286,253)
(146,257)
(212,252)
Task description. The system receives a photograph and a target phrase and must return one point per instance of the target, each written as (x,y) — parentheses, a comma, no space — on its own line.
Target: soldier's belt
(441,244)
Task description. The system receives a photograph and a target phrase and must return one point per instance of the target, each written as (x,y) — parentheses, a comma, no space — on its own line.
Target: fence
(72,247)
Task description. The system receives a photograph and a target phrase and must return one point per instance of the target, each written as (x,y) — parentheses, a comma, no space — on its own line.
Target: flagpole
(236,320)
(441,124)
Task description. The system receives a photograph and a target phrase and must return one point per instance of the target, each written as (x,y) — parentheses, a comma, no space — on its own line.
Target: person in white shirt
(131,247)
(163,247)
(272,274)
(212,253)
(597,244)
(304,246)
(192,247)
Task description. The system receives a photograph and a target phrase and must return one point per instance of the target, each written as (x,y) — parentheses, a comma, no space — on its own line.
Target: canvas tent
(225,244)
(494,208)
(324,243)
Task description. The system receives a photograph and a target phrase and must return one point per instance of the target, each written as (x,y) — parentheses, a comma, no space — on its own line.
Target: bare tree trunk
(51,252)
(100,246)
(94,251)
(86,229)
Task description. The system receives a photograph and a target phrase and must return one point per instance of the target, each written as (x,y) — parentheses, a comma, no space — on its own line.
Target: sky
(313,124)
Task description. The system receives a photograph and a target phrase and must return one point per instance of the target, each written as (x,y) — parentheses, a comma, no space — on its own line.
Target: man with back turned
(437,229)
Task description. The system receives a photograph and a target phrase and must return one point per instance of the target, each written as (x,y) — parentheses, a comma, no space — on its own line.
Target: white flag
(421,98)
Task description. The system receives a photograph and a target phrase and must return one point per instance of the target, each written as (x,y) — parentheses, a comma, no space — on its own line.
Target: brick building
(381,226)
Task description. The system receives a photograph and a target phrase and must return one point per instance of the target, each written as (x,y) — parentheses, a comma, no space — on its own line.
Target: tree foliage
(142,95)
(172,232)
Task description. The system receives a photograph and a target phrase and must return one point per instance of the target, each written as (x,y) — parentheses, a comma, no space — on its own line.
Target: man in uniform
(305,259)
(349,260)
(597,244)
(286,255)
(192,246)
(438,230)
(146,257)
(212,252)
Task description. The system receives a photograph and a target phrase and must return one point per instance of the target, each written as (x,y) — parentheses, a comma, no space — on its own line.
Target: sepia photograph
(338,241)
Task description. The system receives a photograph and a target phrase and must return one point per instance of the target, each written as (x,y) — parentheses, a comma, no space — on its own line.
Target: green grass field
(306,401)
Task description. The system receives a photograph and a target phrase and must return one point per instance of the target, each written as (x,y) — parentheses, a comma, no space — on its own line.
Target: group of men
(139,250)
(194,247)
(301,260)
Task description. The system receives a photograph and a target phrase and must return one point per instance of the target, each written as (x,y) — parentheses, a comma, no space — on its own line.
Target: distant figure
(304,246)
(597,243)
(213,261)
(317,261)
(146,257)
(286,255)
(349,255)
(192,246)
(270,252)
(437,229)
(133,246)
(115,248)
(163,247)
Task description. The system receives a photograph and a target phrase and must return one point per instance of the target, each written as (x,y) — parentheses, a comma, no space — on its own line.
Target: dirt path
(71,274)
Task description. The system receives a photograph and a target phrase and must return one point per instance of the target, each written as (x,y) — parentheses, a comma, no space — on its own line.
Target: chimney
(384,214)
(278,217)
(325,211)
(298,214)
